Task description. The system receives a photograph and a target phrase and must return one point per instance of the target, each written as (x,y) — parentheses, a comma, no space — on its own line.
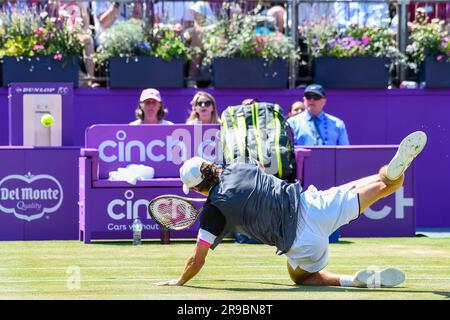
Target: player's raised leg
(390,177)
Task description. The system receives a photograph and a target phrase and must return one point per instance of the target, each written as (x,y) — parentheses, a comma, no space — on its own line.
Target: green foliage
(239,36)
(132,38)
(427,39)
(169,45)
(30,32)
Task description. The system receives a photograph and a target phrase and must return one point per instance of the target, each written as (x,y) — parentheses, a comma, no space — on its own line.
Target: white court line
(355,267)
(161,279)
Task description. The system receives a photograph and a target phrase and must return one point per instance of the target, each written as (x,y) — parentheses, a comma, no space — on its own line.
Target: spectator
(175,14)
(204,18)
(361,13)
(108,13)
(204,109)
(431,9)
(150,109)
(296,108)
(249,101)
(76,11)
(274,11)
(310,13)
(315,127)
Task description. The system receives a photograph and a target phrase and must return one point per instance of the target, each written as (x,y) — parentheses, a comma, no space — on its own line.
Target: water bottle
(137,231)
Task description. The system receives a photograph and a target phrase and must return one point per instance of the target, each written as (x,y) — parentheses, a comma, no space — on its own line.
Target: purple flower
(38,47)
(315,40)
(365,40)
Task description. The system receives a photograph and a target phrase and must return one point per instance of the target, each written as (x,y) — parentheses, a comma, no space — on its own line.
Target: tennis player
(242,198)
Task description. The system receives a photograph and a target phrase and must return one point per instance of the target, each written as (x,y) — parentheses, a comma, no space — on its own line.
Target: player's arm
(212,223)
(193,265)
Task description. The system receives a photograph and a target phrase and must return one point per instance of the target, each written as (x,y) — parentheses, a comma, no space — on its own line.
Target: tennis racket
(174,212)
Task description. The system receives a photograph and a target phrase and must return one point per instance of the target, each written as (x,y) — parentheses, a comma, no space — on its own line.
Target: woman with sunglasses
(315,127)
(204,109)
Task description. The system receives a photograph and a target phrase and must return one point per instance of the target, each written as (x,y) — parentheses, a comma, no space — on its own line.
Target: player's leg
(321,278)
(368,278)
(390,177)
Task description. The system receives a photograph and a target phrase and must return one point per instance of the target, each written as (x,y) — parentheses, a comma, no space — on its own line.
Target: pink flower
(38,30)
(58,56)
(258,49)
(439,58)
(166,46)
(365,40)
(38,47)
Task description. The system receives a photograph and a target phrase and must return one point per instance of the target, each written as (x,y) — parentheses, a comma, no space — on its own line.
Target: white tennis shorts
(320,214)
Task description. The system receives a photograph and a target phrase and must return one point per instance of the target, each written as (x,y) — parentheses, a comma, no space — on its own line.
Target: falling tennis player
(242,198)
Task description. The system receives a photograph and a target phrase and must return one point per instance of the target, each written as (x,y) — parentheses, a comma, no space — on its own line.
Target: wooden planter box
(249,73)
(357,72)
(40,69)
(144,72)
(435,74)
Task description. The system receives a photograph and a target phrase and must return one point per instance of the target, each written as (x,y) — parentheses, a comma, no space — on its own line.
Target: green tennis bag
(259,131)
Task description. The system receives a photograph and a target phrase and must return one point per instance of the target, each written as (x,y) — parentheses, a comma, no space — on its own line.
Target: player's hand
(173,282)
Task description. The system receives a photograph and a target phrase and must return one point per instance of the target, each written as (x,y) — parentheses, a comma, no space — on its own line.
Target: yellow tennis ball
(47,120)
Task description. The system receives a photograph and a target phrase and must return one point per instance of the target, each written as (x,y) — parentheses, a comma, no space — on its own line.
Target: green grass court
(118,270)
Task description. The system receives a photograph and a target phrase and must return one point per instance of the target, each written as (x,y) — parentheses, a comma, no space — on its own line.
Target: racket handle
(165,236)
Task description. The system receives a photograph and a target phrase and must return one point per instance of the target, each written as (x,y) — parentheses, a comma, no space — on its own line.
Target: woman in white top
(204,109)
(150,109)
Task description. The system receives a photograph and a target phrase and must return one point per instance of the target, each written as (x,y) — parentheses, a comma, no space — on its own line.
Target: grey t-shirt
(256,204)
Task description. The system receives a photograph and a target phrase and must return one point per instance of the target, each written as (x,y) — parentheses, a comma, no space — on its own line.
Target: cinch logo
(119,209)
(400,203)
(29,197)
(176,148)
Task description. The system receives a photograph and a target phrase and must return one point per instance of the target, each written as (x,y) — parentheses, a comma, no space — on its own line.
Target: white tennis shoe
(387,278)
(408,149)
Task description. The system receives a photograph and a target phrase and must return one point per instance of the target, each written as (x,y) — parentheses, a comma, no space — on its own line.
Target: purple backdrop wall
(371,116)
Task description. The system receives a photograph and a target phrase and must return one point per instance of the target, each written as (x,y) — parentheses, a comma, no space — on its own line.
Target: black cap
(315,88)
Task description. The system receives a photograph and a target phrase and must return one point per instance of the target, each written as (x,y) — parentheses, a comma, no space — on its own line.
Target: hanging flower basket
(355,72)
(249,73)
(145,71)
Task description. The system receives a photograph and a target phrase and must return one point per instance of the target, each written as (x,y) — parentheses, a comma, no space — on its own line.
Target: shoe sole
(387,278)
(408,149)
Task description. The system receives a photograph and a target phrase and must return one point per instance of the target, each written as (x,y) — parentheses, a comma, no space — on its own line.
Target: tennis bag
(259,131)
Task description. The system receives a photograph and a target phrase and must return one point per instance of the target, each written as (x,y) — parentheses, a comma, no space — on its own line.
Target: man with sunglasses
(315,127)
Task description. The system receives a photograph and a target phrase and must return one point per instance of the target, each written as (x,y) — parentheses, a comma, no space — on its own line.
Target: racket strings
(173,213)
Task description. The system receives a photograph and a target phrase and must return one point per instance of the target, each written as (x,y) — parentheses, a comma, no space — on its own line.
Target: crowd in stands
(192,18)
(310,124)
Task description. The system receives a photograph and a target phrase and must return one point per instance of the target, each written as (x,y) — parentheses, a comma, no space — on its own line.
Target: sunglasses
(313,97)
(204,103)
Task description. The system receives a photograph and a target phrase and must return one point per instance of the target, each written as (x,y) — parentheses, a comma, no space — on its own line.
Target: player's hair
(210,173)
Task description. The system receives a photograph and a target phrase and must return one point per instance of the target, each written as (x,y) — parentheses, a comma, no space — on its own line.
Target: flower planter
(249,73)
(141,72)
(40,69)
(435,74)
(355,72)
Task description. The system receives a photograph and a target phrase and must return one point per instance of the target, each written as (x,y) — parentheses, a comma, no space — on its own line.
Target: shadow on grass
(148,242)
(297,288)
(343,242)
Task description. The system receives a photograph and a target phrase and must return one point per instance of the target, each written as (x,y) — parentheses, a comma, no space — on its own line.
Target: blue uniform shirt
(331,129)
